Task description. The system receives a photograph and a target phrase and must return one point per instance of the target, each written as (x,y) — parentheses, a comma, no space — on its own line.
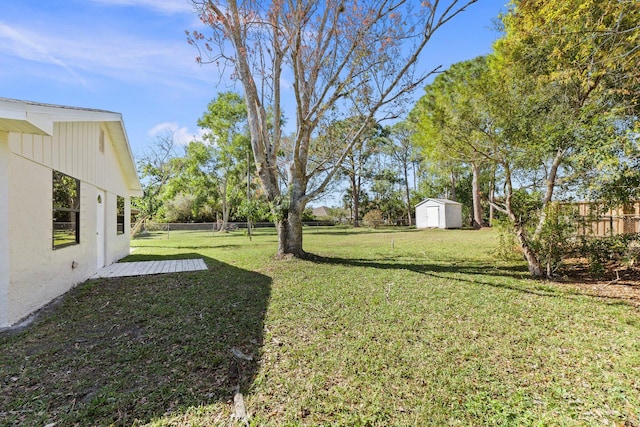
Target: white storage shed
(66,178)
(438,213)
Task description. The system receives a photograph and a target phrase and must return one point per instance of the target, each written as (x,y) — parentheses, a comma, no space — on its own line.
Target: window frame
(120,216)
(73,211)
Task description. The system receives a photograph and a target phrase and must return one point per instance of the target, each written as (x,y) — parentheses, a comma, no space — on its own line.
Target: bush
(372,218)
(599,251)
(179,209)
(508,247)
(555,241)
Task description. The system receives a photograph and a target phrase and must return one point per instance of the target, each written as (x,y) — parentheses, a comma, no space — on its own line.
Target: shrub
(508,248)
(599,251)
(555,240)
(372,218)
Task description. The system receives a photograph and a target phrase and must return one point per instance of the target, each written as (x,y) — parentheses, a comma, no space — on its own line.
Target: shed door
(100,225)
(433,216)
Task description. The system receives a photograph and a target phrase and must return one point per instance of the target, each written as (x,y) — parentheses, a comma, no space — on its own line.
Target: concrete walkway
(143,268)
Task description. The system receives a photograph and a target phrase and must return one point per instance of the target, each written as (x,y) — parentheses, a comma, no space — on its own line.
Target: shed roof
(38,118)
(439,201)
(321,211)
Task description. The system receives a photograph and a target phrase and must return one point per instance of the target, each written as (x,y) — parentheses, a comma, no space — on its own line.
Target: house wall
(4,228)
(39,273)
(117,245)
(73,149)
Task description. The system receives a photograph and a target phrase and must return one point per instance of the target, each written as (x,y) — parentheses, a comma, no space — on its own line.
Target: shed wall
(421,216)
(453,216)
(431,213)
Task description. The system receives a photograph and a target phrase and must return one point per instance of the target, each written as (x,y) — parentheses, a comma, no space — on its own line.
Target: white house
(66,178)
(438,213)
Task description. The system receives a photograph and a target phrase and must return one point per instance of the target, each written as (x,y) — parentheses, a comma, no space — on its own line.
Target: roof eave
(125,156)
(37,118)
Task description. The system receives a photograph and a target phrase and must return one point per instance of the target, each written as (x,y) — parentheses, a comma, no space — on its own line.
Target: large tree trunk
(453,185)
(355,201)
(492,194)
(535,268)
(225,206)
(308,42)
(290,232)
(477,206)
(551,185)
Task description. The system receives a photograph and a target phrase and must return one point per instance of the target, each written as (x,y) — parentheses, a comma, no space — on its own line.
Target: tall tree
(155,168)
(402,151)
(357,164)
(588,48)
(225,121)
(386,194)
(192,192)
(571,74)
(451,119)
(339,56)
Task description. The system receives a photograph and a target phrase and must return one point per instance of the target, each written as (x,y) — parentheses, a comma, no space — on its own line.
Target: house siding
(4,228)
(73,150)
(36,272)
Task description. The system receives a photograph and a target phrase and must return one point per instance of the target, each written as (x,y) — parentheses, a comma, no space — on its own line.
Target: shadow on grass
(133,256)
(356,231)
(453,271)
(130,350)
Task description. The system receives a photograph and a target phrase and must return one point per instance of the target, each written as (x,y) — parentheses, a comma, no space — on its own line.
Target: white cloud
(164,6)
(181,135)
(31,47)
(109,52)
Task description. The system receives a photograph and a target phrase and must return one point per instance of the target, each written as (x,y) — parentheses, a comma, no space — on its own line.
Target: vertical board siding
(38,148)
(100,157)
(47,150)
(82,170)
(4,229)
(73,143)
(27,146)
(14,142)
(74,150)
(55,152)
(68,143)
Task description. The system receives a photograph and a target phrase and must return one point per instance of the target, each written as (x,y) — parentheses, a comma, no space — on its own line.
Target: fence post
(611,225)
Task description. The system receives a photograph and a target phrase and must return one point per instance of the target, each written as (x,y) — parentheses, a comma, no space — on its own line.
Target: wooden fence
(593,221)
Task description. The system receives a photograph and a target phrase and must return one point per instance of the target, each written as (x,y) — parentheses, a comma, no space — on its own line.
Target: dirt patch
(618,283)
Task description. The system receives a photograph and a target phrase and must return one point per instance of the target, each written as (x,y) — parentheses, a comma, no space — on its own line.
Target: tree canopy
(553,112)
(358,57)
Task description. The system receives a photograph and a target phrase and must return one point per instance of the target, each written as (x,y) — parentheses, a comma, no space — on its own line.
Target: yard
(381,328)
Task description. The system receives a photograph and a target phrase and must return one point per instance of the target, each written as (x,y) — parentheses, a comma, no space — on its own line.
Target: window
(66,210)
(120,213)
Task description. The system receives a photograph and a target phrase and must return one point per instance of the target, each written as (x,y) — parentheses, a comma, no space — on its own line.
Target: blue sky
(131,56)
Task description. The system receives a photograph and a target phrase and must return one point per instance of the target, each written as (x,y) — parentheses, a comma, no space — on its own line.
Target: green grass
(381,328)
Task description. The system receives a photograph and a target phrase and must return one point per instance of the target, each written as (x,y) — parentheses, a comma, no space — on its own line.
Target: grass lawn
(382,328)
